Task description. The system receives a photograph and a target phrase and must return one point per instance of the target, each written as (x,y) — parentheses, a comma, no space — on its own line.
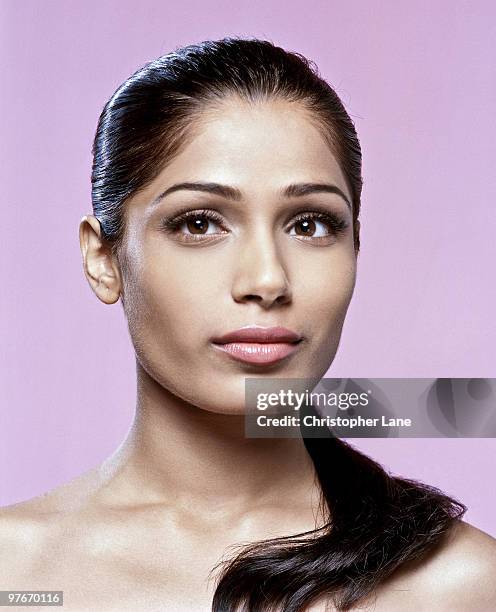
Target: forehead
(256,146)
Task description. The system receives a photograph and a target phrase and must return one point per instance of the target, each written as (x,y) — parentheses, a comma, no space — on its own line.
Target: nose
(260,275)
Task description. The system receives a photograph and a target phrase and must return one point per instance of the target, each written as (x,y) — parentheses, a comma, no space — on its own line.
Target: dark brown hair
(153,113)
(375,522)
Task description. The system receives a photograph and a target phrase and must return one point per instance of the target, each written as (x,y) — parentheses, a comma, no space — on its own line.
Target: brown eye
(194,224)
(318,227)
(197,225)
(305,227)
(312,226)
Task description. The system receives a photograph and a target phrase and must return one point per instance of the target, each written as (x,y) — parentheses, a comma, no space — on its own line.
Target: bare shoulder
(22,529)
(15,524)
(464,571)
(26,525)
(459,575)
(467,543)
(468,554)
(21,522)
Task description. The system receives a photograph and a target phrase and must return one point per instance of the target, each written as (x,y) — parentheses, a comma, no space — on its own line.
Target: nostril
(282,299)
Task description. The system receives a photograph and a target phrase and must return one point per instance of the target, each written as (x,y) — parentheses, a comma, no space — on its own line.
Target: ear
(99,263)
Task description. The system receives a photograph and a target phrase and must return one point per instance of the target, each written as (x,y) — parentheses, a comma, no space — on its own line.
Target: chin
(228,410)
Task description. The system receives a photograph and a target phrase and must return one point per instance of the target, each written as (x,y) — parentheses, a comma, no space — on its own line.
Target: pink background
(419,80)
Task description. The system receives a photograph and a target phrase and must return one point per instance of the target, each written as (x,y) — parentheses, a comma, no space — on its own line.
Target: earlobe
(100,267)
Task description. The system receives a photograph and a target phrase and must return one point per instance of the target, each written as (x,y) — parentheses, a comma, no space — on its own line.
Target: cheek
(327,288)
(327,297)
(173,300)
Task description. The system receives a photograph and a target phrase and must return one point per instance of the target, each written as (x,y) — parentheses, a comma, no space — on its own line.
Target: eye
(199,224)
(313,225)
(310,227)
(193,225)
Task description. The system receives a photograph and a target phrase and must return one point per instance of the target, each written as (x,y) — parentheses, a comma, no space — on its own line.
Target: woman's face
(250,255)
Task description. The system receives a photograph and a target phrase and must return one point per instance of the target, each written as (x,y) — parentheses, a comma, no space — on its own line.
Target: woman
(226,198)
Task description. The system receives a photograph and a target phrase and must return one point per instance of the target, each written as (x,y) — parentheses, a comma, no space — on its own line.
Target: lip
(258,345)
(257,333)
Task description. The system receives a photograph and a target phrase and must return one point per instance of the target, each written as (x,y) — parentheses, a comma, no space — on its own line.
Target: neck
(178,453)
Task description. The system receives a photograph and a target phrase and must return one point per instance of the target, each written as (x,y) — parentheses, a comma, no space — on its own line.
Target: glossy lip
(257,333)
(258,345)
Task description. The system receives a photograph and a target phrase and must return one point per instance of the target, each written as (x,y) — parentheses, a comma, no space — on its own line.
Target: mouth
(258,345)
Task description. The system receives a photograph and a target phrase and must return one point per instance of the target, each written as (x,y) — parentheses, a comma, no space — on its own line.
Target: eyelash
(336,224)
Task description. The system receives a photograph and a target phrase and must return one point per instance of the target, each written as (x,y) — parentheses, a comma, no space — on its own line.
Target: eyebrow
(231,193)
